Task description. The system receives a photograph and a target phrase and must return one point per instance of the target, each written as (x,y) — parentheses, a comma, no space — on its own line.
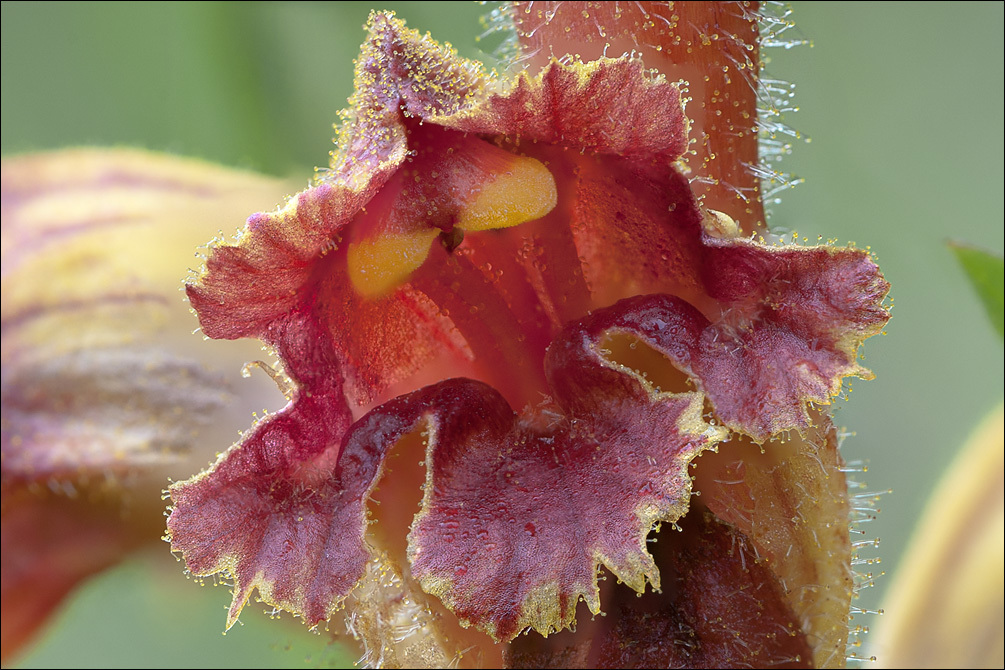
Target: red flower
(508,326)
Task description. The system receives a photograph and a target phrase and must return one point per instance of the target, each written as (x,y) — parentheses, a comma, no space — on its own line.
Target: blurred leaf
(987,273)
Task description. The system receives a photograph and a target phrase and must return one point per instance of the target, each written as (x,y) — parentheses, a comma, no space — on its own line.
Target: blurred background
(903,107)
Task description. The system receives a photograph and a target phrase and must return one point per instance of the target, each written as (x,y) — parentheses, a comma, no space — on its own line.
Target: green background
(903,104)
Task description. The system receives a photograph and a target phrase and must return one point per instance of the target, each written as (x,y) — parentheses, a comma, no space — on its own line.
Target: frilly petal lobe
(284,511)
(264,513)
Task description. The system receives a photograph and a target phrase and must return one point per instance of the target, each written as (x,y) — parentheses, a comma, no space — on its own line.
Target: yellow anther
(379,264)
(521,190)
(526,191)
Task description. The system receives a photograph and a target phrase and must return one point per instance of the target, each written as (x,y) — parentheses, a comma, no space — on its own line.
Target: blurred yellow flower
(946,605)
(105,392)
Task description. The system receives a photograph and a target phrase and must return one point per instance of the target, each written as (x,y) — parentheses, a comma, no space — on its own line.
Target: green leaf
(987,274)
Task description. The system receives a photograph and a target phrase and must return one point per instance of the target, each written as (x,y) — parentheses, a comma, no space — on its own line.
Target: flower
(98,360)
(945,603)
(515,283)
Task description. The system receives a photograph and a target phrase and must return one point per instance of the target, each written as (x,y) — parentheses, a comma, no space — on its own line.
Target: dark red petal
(606,106)
(585,477)
(266,511)
(759,375)
(401,69)
(784,323)
(793,322)
(519,510)
(721,608)
(247,286)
